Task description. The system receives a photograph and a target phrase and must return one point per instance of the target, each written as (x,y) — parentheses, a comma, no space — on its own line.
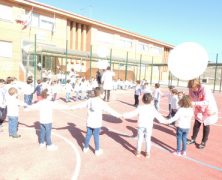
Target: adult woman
(205,110)
(107,80)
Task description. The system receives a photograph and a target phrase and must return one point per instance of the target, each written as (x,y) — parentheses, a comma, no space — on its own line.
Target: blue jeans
(95,132)
(182,137)
(12,125)
(28,99)
(45,133)
(68,97)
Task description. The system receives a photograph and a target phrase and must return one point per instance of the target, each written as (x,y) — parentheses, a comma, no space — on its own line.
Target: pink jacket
(205,107)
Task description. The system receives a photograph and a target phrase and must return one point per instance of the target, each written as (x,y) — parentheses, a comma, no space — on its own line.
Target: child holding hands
(45,107)
(146,114)
(95,107)
(183,118)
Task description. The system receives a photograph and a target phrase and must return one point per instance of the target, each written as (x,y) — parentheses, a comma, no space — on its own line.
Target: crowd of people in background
(199,103)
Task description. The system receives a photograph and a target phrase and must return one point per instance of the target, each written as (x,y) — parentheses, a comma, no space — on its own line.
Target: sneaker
(176,153)
(52,147)
(191,142)
(85,150)
(184,153)
(147,155)
(202,145)
(42,145)
(16,136)
(98,152)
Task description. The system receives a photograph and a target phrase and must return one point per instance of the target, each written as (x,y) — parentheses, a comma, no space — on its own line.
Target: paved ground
(23,159)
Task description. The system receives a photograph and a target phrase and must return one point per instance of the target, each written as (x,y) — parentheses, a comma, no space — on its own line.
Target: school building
(36,36)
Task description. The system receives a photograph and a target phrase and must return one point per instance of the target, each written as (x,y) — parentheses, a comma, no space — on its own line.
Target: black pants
(136,97)
(107,95)
(196,128)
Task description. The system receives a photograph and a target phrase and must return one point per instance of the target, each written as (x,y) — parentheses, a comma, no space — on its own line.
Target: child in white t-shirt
(13,104)
(95,107)
(45,107)
(183,118)
(146,114)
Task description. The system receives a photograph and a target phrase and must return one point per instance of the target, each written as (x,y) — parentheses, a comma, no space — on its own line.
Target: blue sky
(172,21)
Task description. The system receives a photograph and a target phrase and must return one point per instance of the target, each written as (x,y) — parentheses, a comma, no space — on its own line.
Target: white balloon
(188,61)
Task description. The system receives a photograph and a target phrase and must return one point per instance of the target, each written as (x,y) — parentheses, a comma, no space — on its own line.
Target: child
(180,95)
(146,114)
(137,93)
(38,90)
(68,89)
(45,107)
(174,102)
(3,108)
(169,96)
(157,95)
(183,119)
(146,88)
(28,91)
(95,107)
(13,104)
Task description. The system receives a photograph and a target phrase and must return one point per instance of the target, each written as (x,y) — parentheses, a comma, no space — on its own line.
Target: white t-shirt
(146,114)
(95,107)
(183,118)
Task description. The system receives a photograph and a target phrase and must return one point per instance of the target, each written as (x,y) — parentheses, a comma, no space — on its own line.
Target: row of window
(36,20)
(107,38)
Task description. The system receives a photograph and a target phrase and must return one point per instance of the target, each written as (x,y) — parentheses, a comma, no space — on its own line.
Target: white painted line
(78,159)
(192,159)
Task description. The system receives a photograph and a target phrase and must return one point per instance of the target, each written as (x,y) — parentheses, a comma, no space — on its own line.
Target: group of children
(146,113)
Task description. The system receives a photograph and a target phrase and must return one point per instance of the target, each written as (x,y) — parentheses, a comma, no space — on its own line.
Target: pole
(215,73)
(66,59)
(140,66)
(35,62)
(126,66)
(151,72)
(110,60)
(90,63)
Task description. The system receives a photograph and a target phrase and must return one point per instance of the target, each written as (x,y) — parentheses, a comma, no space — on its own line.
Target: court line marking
(78,159)
(156,145)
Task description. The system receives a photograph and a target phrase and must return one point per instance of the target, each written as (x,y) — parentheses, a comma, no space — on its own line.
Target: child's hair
(174,91)
(68,81)
(147,98)
(44,93)
(39,81)
(108,68)
(97,91)
(12,91)
(29,81)
(193,83)
(138,82)
(2,81)
(171,87)
(185,102)
(157,85)
(9,80)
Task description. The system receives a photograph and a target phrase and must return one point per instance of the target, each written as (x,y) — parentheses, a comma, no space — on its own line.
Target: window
(46,23)
(6,49)
(41,21)
(6,12)
(125,43)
